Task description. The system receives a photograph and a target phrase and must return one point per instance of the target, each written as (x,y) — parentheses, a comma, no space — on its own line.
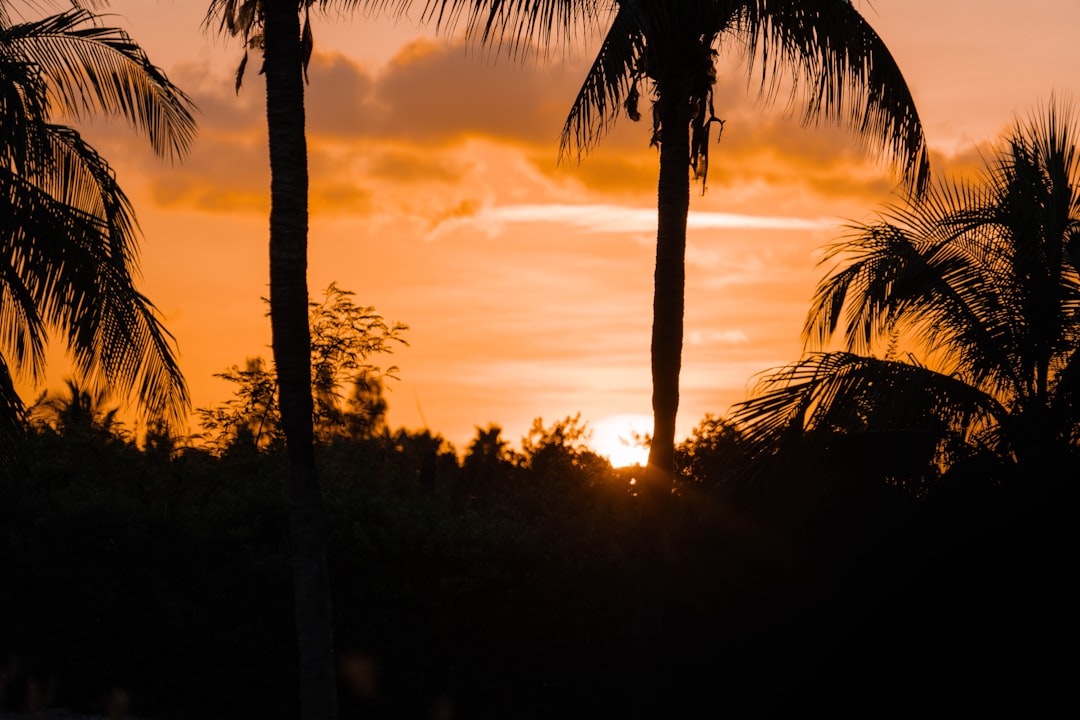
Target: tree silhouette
(840,66)
(978,284)
(77,411)
(344,336)
(274,27)
(668,49)
(68,239)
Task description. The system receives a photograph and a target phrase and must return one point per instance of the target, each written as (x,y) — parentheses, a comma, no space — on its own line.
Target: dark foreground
(520,595)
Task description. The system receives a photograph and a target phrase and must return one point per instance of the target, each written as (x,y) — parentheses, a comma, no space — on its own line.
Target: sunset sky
(437,197)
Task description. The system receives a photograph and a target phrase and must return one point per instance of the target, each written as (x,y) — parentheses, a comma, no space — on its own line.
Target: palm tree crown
(839,64)
(68,242)
(979,285)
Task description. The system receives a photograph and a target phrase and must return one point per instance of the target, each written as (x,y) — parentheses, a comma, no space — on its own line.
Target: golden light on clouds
(438,196)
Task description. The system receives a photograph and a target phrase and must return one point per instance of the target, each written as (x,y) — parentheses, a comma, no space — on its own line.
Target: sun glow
(618,438)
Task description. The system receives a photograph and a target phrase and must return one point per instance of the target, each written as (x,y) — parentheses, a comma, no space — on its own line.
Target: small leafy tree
(251,416)
(343,336)
(489,449)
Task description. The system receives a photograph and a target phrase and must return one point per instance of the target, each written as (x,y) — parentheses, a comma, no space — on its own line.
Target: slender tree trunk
(673,203)
(669,284)
(292,355)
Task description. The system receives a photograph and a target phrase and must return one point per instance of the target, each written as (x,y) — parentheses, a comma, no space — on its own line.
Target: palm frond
(983,272)
(32,214)
(88,68)
(844,393)
(68,264)
(24,105)
(1065,401)
(921,270)
(236,18)
(610,87)
(844,72)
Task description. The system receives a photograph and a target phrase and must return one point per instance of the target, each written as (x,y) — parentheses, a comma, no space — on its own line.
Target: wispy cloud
(613,218)
(718,337)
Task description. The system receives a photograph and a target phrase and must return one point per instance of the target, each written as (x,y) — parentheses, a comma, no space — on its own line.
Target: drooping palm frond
(844,72)
(236,18)
(68,243)
(245,19)
(983,273)
(610,87)
(923,279)
(845,393)
(67,262)
(89,69)
(838,65)
(981,269)
(23,105)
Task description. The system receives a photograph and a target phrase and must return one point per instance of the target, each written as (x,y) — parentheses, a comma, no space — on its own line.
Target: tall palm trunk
(283,66)
(667,336)
(669,282)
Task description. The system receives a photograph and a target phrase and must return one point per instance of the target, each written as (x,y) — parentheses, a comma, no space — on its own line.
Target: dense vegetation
(507,582)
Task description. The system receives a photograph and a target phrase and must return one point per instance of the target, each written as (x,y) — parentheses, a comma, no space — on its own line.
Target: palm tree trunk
(292,355)
(673,203)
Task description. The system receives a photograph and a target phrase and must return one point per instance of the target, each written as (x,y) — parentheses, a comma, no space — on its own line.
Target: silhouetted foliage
(561,450)
(79,411)
(164,571)
(343,337)
(978,281)
(488,465)
(68,237)
(713,455)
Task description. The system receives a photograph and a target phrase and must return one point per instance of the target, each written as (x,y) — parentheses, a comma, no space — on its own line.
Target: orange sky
(437,198)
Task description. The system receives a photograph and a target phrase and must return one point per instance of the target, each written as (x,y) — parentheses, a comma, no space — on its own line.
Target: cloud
(419,131)
(718,337)
(407,164)
(439,93)
(226,177)
(613,218)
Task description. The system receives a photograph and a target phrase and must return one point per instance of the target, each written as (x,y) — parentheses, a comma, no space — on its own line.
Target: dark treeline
(504,584)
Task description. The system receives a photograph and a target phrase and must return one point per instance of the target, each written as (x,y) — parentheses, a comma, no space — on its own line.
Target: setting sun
(619,439)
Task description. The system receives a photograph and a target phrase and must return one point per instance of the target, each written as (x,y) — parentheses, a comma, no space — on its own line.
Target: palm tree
(980,284)
(842,66)
(274,27)
(68,241)
(669,47)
